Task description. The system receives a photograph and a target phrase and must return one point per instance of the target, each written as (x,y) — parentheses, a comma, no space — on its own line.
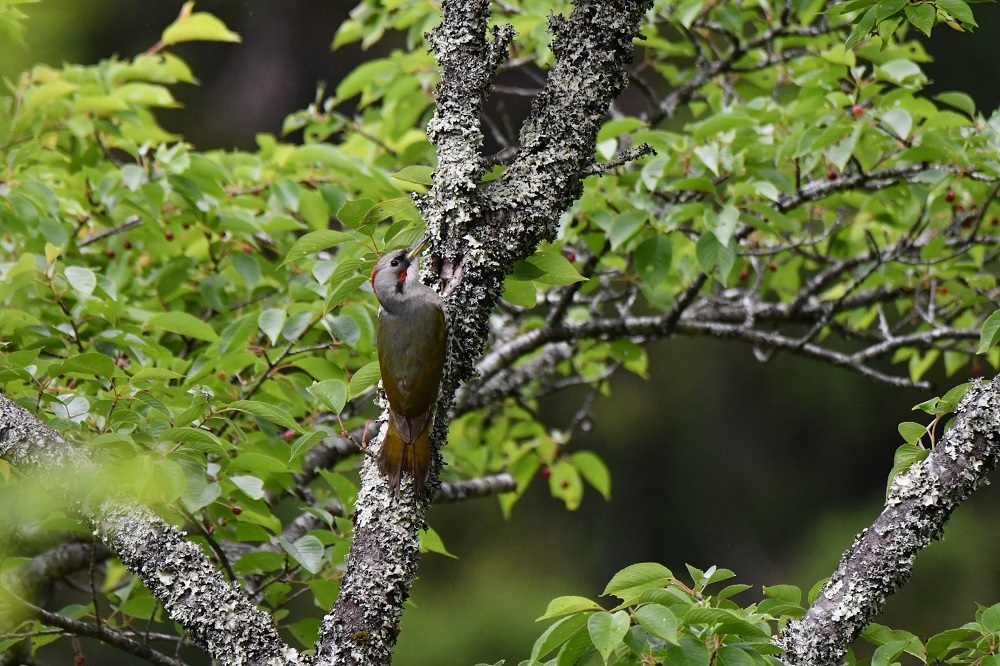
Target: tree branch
(918,505)
(217,616)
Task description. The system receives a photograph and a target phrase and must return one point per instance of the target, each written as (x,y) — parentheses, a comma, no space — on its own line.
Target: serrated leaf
(607,631)
(365,377)
(271,321)
(594,471)
(430,541)
(520,292)
(82,280)
(315,241)
(906,456)
(551,268)
(332,393)
(386,209)
(990,334)
(353,212)
(567,605)
(156,375)
(416,173)
(251,485)
(267,412)
(959,10)
(658,621)
(633,580)
(195,439)
(182,323)
(723,621)
(959,100)
(556,634)
(307,551)
(303,444)
(88,363)
(911,432)
(197,27)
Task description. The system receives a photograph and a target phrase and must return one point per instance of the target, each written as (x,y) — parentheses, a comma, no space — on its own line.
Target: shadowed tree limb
(918,505)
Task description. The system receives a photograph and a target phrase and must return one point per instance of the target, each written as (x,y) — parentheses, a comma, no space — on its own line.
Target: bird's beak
(415,250)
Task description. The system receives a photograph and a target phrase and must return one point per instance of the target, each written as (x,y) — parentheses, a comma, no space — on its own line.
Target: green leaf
(789,593)
(911,432)
(251,485)
(712,254)
(633,580)
(724,621)
(652,259)
(197,27)
(184,324)
(271,322)
(658,621)
(556,634)
(365,377)
(887,654)
(607,631)
(959,10)
(906,456)
(307,551)
(353,212)
(921,16)
(567,605)
(386,209)
(960,101)
(594,471)
(155,375)
(624,227)
(195,439)
(332,393)
(430,541)
(88,363)
(551,268)
(519,292)
(303,444)
(81,279)
(315,241)
(267,412)
(416,173)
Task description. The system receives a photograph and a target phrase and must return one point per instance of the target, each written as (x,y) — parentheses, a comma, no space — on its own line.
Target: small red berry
(977,370)
(289,435)
(943,291)
(127,245)
(856,110)
(743,276)
(169,235)
(110,254)
(773,268)
(248,248)
(571,257)
(546,472)
(237,510)
(949,196)
(831,175)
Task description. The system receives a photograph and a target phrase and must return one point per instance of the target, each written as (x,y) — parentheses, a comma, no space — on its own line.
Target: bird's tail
(397,456)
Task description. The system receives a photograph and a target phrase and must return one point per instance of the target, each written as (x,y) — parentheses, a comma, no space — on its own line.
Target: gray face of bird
(393,273)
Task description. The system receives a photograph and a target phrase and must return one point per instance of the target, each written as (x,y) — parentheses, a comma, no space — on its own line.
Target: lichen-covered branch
(217,616)
(918,505)
(476,236)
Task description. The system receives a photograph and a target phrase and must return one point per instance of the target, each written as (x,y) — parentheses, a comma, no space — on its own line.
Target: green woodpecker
(411,353)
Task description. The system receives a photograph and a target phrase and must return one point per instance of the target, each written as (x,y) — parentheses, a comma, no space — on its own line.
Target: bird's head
(395,273)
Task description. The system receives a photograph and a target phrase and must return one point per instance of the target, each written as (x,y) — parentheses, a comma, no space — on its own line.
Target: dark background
(766,469)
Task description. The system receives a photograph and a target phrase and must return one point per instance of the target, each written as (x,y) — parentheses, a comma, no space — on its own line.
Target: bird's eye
(394,263)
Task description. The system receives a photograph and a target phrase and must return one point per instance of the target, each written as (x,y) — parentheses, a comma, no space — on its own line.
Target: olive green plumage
(411,346)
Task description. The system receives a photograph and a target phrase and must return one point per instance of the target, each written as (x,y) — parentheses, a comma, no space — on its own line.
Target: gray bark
(881,559)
